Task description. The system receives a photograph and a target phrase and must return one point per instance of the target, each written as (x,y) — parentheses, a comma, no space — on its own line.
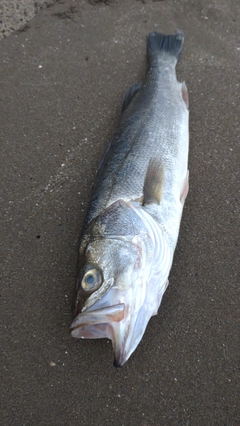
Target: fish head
(115,269)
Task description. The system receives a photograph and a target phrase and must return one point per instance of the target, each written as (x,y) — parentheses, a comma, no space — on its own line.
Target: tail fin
(157,43)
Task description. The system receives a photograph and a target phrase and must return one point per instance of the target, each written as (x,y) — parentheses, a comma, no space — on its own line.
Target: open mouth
(96,324)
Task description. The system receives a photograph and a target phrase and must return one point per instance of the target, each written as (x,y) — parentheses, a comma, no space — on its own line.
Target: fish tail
(158,45)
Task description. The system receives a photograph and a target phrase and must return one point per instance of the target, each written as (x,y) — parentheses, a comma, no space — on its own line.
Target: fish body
(132,224)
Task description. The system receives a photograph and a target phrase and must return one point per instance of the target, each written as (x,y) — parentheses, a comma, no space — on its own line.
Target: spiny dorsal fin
(153,184)
(131,92)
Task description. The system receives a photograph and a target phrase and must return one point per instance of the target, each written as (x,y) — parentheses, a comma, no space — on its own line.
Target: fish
(132,223)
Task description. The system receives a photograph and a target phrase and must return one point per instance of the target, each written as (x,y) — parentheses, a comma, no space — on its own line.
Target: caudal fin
(159,44)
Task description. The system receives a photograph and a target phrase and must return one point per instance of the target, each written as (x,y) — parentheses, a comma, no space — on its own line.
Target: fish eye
(91,280)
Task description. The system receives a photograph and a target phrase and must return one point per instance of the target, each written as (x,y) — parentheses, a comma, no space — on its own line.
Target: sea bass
(132,224)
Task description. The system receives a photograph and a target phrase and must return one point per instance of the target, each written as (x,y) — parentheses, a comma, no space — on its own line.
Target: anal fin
(153,184)
(185,188)
(185,94)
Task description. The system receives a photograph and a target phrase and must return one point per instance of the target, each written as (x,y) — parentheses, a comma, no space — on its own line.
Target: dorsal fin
(153,184)
(130,93)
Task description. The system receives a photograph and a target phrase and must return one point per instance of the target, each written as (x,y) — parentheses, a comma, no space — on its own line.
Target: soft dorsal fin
(153,184)
(131,92)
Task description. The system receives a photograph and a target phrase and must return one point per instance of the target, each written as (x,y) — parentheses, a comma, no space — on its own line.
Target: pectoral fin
(153,184)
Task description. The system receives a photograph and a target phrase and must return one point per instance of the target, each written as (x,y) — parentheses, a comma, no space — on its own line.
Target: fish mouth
(96,324)
(104,323)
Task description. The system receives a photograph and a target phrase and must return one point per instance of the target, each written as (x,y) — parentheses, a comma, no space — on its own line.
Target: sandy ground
(15,14)
(62,82)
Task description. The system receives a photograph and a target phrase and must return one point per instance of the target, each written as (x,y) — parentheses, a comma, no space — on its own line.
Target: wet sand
(62,83)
